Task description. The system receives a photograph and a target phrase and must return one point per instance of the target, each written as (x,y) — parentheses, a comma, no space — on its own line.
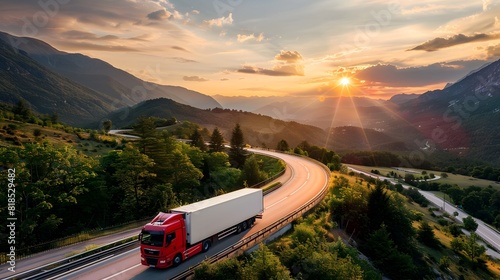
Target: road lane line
(299,188)
(116,274)
(279,201)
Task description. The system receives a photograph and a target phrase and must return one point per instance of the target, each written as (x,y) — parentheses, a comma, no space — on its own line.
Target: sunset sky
(280,47)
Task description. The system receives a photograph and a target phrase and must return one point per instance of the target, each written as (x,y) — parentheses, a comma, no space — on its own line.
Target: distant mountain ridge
(121,87)
(324,112)
(259,130)
(462,118)
(46,92)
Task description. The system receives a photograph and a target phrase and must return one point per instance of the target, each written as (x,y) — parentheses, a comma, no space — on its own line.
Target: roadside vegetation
(478,197)
(364,217)
(63,189)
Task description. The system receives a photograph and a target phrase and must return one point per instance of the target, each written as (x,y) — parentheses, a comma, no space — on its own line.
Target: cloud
(160,15)
(184,60)
(493,51)
(243,38)
(287,70)
(248,69)
(219,22)
(179,48)
(486,4)
(441,43)
(289,56)
(97,47)
(194,79)
(425,9)
(392,76)
(288,63)
(82,35)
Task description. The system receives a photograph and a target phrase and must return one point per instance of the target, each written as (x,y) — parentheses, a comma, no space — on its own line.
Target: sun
(345,81)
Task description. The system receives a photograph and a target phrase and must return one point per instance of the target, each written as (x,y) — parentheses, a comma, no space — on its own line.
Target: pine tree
(216,141)
(237,153)
(197,140)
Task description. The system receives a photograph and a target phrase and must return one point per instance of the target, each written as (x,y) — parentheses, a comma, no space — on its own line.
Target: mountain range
(80,77)
(460,119)
(259,130)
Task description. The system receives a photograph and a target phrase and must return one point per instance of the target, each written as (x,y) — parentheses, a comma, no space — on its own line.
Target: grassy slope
(24,134)
(460,180)
(432,256)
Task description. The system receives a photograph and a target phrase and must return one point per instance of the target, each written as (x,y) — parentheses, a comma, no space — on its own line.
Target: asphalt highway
(302,181)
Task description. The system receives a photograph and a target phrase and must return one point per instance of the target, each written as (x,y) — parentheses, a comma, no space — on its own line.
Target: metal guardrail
(66,264)
(257,237)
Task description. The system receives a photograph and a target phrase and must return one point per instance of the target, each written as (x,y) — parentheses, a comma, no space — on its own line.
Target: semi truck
(183,232)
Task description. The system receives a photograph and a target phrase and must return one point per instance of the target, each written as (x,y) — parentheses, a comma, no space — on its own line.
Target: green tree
(22,110)
(472,248)
(379,208)
(251,171)
(409,178)
(472,202)
(107,125)
(227,269)
(145,128)
(237,153)
(470,224)
(304,146)
(197,140)
(185,176)
(425,234)
(456,194)
(49,183)
(54,118)
(133,170)
(282,145)
(265,265)
(382,250)
(335,163)
(216,141)
(321,266)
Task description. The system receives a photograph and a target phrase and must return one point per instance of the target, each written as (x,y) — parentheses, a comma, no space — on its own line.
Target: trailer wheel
(206,245)
(177,259)
(244,225)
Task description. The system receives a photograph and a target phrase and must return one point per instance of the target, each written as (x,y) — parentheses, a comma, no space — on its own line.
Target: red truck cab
(185,231)
(163,241)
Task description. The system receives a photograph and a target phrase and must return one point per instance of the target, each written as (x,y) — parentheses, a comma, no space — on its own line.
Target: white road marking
(279,201)
(116,274)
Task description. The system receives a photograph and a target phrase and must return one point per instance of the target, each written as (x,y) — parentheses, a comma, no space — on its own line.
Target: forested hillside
(61,190)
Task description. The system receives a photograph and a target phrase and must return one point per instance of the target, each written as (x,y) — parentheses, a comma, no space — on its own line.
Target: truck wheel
(244,226)
(206,245)
(177,260)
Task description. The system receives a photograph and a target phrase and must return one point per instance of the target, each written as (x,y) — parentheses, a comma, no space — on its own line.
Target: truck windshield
(153,238)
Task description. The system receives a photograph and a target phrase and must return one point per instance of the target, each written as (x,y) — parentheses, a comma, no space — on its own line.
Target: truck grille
(152,261)
(151,252)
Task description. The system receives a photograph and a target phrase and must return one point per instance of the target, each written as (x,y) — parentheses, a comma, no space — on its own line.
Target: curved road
(305,180)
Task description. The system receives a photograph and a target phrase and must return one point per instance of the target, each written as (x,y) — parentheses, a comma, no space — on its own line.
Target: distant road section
(120,132)
(486,232)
